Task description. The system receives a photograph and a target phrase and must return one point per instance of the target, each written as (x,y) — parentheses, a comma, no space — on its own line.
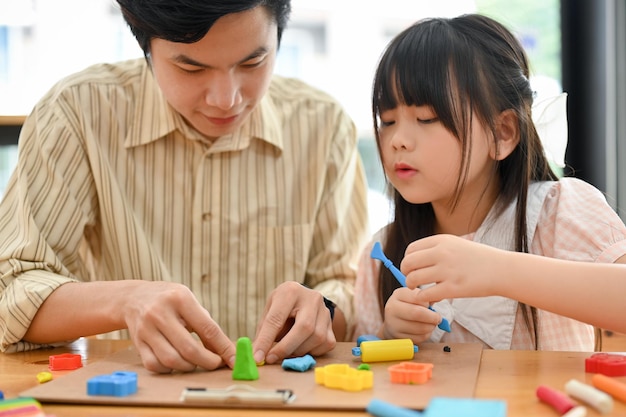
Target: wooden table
(509,375)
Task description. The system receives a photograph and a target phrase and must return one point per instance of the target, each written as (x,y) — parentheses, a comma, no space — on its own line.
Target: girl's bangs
(414,71)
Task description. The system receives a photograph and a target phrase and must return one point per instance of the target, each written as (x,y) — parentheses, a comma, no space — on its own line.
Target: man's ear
(507,135)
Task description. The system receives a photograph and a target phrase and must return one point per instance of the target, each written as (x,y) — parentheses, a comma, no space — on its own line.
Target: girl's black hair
(187,21)
(465,66)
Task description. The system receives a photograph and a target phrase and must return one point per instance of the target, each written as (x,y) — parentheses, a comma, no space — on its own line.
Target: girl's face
(422,159)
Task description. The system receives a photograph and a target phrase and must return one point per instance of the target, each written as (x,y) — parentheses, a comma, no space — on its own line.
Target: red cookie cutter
(609,364)
(64,362)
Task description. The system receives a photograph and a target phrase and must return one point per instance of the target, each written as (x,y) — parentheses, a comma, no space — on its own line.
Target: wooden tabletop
(507,375)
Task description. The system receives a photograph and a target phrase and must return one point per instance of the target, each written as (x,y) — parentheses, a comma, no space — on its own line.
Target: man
(187,193)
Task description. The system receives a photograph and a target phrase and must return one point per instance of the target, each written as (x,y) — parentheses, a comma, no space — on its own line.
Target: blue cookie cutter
(117,384)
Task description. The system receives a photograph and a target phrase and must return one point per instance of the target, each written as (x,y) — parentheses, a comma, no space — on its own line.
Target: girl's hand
(459,267)
(408,318)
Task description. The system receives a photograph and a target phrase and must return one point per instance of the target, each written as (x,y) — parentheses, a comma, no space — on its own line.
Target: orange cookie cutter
(410,372)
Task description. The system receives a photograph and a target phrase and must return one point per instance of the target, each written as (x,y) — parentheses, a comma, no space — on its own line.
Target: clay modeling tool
(377,253)
(385,350)
(560,401)
(597,399)
(612,386)
(236,394)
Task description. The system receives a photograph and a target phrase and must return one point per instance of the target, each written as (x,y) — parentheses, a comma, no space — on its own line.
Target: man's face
(216,82)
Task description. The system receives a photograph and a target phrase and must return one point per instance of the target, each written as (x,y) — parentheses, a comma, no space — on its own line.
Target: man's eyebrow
(184,59)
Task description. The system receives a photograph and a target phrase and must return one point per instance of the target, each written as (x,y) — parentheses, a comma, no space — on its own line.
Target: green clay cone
(245,368)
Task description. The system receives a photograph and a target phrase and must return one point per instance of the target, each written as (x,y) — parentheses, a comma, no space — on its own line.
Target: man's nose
(223,92)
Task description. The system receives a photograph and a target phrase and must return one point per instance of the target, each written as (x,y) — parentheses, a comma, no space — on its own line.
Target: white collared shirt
(573,221)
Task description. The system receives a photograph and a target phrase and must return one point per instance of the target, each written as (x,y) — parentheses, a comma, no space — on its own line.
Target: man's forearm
(80,309)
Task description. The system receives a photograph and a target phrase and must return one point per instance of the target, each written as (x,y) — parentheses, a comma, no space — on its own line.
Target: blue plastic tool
(117,384)
(366,338)
(442,407)
(377,253)
(380,408)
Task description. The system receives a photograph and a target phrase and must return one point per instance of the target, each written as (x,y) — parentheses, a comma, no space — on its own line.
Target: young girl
(477,207)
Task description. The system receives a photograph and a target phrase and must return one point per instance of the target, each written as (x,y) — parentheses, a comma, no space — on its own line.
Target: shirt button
(206,217)
(205,277)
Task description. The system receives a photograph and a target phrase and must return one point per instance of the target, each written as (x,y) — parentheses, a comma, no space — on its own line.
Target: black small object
(446,348)
(328,303)
(331,307)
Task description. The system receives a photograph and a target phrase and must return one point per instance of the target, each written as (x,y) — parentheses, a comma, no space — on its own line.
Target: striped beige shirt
(112,184)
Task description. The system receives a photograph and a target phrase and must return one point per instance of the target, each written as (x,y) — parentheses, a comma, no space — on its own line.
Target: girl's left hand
(459,267)
(407,318)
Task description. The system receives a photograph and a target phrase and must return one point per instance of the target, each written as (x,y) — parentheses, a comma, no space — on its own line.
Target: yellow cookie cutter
(342,376)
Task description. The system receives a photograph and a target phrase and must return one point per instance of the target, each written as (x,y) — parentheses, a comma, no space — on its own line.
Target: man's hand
(160,321)
(158,315)
(296,318)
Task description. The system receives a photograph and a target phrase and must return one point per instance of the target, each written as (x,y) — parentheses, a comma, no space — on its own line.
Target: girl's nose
(401,138)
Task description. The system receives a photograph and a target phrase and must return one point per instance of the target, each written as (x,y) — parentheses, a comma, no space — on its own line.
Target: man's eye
(193,70)
(253,63)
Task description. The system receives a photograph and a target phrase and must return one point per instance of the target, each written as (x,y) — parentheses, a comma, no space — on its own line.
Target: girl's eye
(386,118)
(428,121)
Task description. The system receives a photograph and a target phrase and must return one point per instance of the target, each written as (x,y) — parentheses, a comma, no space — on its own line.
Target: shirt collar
(155,118)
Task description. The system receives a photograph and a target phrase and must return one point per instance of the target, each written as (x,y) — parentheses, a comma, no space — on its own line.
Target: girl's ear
(507,135)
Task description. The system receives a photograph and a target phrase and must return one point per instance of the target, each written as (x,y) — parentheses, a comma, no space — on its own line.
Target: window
(4,55)
(326,44)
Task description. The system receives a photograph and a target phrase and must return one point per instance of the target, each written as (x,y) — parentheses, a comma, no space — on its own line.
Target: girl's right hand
(459,267)
(407,318)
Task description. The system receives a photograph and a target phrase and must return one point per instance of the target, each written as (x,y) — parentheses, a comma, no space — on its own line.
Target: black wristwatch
(329,304)
(331,307)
